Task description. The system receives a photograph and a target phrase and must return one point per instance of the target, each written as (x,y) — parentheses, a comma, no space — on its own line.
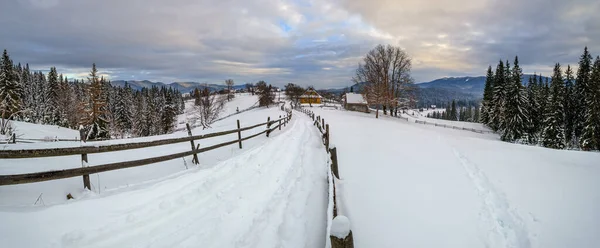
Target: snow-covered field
(414,115)
(241,101)
(272,193)
(26,130)
(402,185)
(410,185)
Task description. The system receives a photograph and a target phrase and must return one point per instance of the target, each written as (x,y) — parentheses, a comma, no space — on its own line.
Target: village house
(355,102)
(310,96)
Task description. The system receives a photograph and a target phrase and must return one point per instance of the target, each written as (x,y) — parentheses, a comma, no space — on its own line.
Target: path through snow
(507,228)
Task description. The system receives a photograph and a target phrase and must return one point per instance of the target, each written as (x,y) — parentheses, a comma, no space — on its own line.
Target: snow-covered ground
(26,130)
(272,193)
(410,185)
(415,115)
(55,191)
(241,101)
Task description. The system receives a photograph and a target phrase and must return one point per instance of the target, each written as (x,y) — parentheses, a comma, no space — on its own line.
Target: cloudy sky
(308,42)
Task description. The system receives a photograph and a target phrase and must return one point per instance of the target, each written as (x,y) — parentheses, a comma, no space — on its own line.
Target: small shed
(355,102)
(310,96)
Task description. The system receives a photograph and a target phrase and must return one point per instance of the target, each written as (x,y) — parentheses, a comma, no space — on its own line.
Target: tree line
(93,106)
(563,112)
(456,112)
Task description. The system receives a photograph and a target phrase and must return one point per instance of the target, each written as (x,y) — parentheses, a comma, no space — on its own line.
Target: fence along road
(84,151)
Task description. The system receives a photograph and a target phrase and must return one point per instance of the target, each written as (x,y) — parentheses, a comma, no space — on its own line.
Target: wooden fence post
(323,120)
(195,158)
(239,134)
(86,178)
(341,235)
(14,138)
(327,137)
(334,162)
(268,125)
(280,122)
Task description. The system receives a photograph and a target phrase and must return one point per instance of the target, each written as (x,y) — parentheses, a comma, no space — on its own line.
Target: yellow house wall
(310,100)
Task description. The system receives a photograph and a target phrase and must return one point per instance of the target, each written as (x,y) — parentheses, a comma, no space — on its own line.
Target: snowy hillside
(414,115)
(26,130)
(241,101)
(410,185)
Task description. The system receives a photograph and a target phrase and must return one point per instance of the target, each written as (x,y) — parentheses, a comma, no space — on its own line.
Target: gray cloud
(315,42)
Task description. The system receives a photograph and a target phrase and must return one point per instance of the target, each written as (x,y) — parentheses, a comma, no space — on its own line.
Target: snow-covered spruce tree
(569,109)
(10,97)
(95,122)
(496,111)
(123,115)
(581,92)
(453,113)
(476,114)
(533,108)
(52,115)
(590,138)
(554,133)
(169,114)
(488,93)
(27,94)
(516,116)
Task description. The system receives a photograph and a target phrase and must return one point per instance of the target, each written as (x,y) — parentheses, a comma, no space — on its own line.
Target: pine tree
(453,113)
(569,103)
(95,121)
(581,92)
(10,97)
(52,113)
(590,138)
(533,109)
(554,133)
(516,116)
(477,115)
(488,93)
(496,111)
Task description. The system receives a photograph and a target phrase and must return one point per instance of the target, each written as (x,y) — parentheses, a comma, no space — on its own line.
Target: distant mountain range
(438,91)
(443,90)
(183,87)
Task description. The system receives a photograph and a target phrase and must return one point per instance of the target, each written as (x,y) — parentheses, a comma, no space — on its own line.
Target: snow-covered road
(409,185)
(271,195)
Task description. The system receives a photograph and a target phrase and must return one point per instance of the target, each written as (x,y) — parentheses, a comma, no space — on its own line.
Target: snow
(414,115)
(355,98)
(272,193)
(26,130)
(412,185)
(241,101)
(340,227)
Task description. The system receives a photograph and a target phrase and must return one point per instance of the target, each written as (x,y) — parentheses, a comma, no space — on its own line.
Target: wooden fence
(453,127)
(85,171)
(319,122)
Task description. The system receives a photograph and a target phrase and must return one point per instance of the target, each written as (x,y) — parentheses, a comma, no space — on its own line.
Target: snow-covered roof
(354,98)
(310,94)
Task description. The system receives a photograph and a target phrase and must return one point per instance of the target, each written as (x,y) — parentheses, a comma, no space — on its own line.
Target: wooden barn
(355,102)
(310,96)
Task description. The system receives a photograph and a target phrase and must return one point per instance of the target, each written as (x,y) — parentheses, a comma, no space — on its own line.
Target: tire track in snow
(508,228)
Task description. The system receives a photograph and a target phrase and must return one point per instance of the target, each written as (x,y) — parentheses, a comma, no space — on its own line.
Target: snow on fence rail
(339,227)
(85,150)
(453,127)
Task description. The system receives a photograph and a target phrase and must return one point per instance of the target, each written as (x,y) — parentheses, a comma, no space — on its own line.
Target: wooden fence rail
(83,151)
(453,127)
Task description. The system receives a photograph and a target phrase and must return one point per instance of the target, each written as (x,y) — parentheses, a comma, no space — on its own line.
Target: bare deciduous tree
(229,83)
(208,107)
(386,70)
